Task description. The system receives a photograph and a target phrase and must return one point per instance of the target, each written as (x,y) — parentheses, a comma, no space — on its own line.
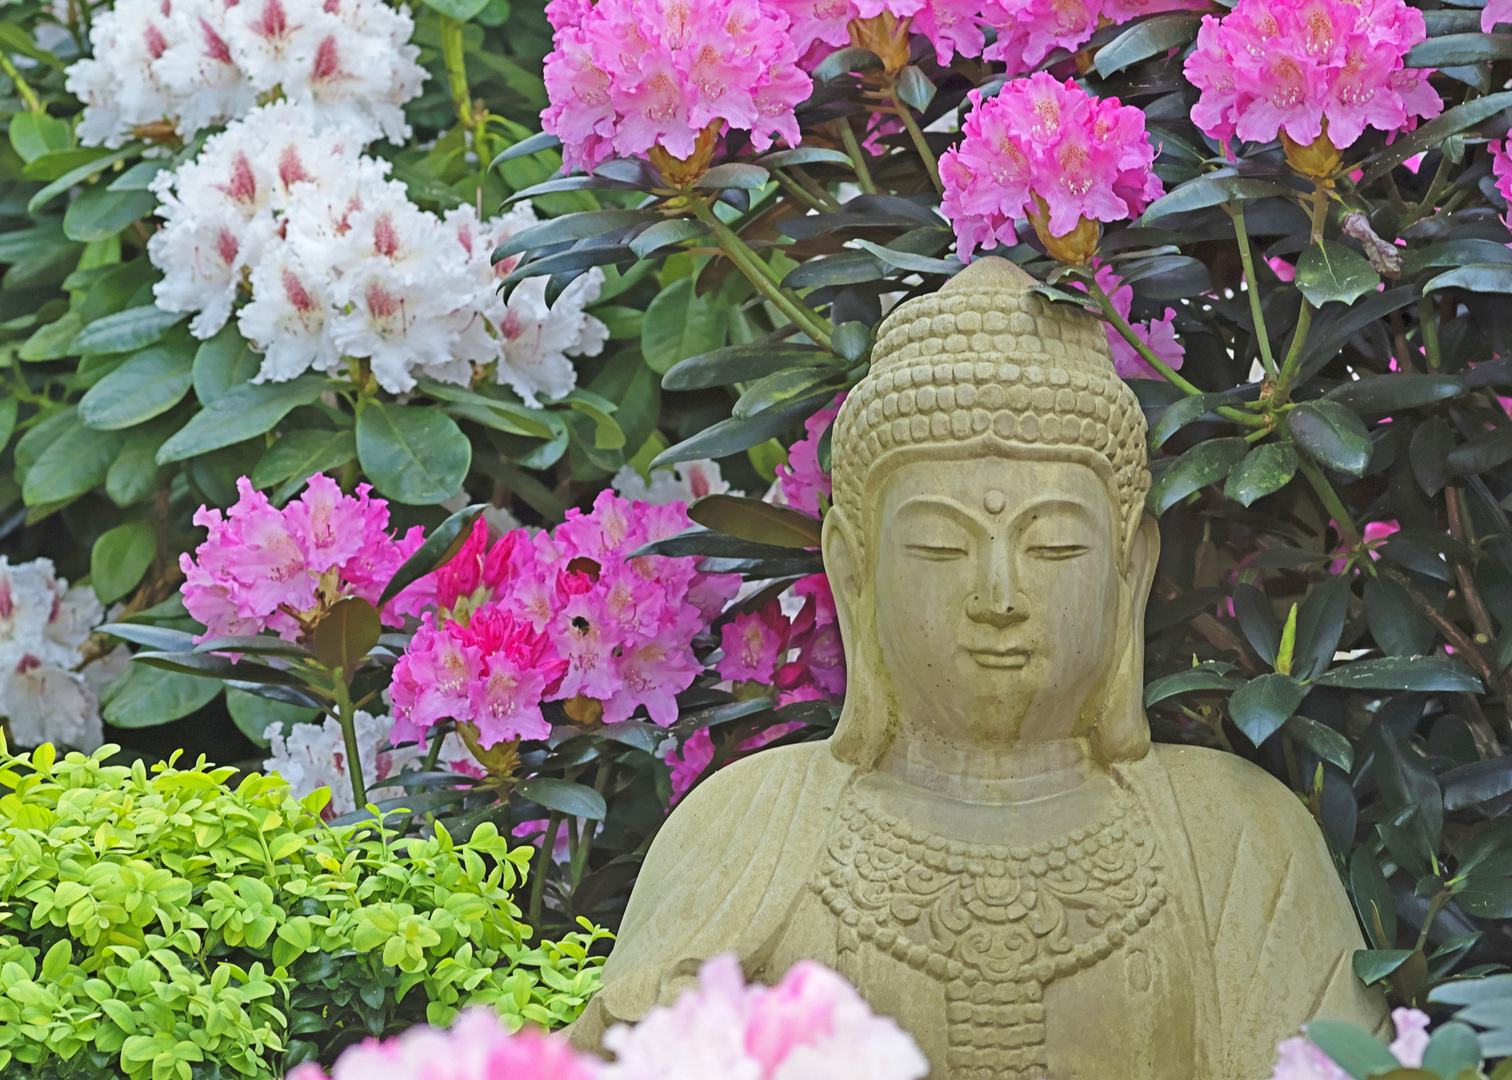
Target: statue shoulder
(723,873)
(1227,789)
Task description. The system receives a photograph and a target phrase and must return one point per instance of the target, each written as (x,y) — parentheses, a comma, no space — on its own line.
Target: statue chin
(989,847)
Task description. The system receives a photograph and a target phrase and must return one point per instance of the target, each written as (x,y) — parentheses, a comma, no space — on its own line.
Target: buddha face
(997,597)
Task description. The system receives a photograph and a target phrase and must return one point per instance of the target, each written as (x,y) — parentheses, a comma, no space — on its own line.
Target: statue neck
(1030,770)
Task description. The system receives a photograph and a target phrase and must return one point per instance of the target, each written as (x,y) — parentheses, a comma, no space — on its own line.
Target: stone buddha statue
(989,847)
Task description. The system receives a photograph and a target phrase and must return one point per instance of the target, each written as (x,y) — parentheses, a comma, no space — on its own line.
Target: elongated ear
(842,567)
(1144,554)
(1123,733)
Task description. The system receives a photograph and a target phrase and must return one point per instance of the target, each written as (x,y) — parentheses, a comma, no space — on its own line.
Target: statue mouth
(1010,659)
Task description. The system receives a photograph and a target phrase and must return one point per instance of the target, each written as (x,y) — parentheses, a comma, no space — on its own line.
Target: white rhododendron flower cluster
(314,756)
(43,626)
(341,264)
(162,66)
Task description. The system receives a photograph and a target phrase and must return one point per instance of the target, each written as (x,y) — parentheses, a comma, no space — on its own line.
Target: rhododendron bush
(437,394)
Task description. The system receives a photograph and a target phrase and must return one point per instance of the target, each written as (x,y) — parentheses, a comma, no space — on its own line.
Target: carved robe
(1178,937)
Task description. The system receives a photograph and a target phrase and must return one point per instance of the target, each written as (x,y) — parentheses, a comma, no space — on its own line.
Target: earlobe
(839,558)
(1144,555)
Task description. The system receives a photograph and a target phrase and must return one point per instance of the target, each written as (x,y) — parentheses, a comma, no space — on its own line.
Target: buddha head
(988,546)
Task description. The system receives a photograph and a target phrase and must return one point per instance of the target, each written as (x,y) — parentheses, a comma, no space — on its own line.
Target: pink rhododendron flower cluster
(262,568)
(1494,14)
(1030,30)
(1501,169)
(818,27)
(1303,67)
(1159,334)
(801,481)
(811,1024)
(1301,1060)
(1049,151)
(558,616)
(756,646)
(628,76)
(185,65)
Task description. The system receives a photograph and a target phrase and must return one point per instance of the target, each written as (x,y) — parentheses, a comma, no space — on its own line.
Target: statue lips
(1006,658)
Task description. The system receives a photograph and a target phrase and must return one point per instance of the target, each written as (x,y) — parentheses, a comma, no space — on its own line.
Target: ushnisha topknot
(987,358)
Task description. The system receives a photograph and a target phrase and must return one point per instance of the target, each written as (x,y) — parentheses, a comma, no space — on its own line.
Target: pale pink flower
(1411,1035)
(753,643)
(1301,1060)
(627,76)
(477,1047)
(1292,66)
(1494,14)
(1039,139)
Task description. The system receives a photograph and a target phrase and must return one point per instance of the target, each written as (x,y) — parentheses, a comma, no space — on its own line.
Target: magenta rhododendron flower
(558,616)
(262,568)
(627,76)
(1049,151)
(1030,30)
(1495,13)
(1295,66)
(753,642)
(802,482)
(1159,334)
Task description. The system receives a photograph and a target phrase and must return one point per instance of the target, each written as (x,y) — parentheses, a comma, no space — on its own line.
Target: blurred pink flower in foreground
(1050,152)
(1301,1060)
(812,1023)
(1306,68)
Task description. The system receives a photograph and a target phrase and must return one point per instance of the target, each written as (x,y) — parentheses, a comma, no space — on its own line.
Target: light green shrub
(156,924)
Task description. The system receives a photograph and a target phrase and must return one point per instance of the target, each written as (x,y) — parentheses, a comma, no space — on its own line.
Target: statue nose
(996,601)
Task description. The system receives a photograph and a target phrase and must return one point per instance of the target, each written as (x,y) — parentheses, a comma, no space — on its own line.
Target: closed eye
(935,552)
(1058,552)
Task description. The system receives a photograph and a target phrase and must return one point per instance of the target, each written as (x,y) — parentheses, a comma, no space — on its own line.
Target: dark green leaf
(734,175)
(216,666)
(1144,39)
(1262,705)
(1322,740)
(119,559)
(77,460)
(1407,783)
(160,638)
(845,61)
(1207,191)
(755,520)
(148,696)
(1329,271)
(77,176)
(1394,620)
(525,147)
(666,233)
(347,633)
(915,88)
(150,383)
(1206,463)
(223,363)
(253,645)
(1372,897)
(461,10)
(1487,898)
(1320,624)
(908,260)
(574,800)
(741,363)
(732,436)
(1477,277)
(1401,673)
(1388,394)
(680,324)
(444,541)
(99,213)
(412,454)
(1476,783)
(125,331)
(239,414)
(299,455)
(1432,134)
(1258,621)
(1184,681)
(1452,1050)
(846,268)
(253,715)
(1455,50)
(776,390)
(1265,469)
(1461,252)
(581,226)
(803,155)
(851,340)
(1373,965)
(1332,434)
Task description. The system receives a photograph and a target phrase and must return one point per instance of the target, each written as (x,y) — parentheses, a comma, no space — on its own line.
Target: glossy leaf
(346,634)
(1329,271)
(1358,1052)
(574,800)
(1206,463)
(1208,191)
(150,383)
(239,414)
(1144,39)
(148,696)
(580,226)
(680,324)
(1477,277)
(741,363)
(1393,393)
(134,328)
(665,233)
(1265,470)
(734,175)
(1332,434)
(444,541)
(1262,705)
(119,558)
(1433,133)
(1402,673)
(411,454)
(755,520)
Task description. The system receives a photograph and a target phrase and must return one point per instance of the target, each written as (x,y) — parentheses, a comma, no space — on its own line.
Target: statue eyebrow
(1050,502)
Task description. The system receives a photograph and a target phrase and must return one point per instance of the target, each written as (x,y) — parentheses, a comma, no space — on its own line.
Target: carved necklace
(991,924)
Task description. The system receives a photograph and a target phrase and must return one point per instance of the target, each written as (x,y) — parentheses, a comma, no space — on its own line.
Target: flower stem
(1331,502)
(456,69)
(1293,355)
(760,275)
(1127,333)
(28,95)
(1318,216)
(920,143)
(1428,324)
(1252,286)
(797,191)
(538,886)
(814,188)
(346,716)
(858,159)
